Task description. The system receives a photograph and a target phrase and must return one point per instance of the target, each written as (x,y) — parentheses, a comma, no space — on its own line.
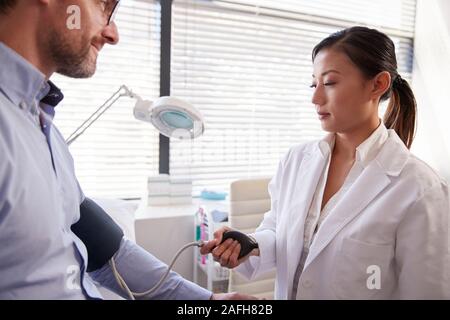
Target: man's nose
(111,34)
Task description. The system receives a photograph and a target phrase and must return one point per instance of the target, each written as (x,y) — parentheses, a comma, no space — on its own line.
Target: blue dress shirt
(40,257)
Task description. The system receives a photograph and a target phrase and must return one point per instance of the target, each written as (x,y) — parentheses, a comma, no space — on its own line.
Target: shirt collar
(370,147)
(366,151)
(20,81)
(51,100)
(327,144)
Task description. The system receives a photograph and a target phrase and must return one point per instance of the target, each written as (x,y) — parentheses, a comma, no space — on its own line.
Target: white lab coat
(388,237)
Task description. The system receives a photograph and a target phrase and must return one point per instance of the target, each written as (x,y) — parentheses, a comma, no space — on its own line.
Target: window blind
(115,155)
(246,65)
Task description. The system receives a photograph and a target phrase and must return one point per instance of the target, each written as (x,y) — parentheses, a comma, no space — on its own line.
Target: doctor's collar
(326,145)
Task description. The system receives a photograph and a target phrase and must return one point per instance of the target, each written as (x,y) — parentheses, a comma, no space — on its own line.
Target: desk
(163,230)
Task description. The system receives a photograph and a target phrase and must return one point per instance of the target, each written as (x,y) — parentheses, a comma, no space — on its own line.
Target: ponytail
(401,112)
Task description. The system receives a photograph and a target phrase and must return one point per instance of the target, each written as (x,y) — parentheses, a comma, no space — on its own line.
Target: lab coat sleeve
(422,247)
(265,234)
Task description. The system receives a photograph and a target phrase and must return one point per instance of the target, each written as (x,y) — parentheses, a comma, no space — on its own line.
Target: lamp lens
(177,120)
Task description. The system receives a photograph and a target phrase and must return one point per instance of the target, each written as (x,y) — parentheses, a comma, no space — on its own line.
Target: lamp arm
(122,92)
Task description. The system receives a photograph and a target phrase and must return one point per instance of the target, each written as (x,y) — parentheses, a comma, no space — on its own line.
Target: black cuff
(99,233)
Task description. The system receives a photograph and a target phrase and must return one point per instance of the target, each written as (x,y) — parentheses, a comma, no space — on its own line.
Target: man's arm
(103,239)
(139,269)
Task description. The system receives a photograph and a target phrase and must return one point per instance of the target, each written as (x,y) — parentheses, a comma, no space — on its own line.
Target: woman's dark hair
(373,52)
(5,5)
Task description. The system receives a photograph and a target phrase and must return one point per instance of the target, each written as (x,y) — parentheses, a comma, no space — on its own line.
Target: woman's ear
(381,84)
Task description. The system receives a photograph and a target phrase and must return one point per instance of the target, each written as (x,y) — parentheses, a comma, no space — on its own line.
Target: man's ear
(381,84)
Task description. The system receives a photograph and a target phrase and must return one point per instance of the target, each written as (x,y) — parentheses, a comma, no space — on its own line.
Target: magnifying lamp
(172,117)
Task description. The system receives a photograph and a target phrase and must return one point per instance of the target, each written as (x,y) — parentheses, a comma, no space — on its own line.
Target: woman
(355,215)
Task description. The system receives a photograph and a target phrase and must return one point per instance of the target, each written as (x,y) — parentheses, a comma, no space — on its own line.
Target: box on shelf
(166,190)
(158,200)
(180,191)
(159,185)
(158,190)
(180,199)
(180,186)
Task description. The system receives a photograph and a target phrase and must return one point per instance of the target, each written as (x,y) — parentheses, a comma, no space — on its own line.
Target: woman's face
(342,96)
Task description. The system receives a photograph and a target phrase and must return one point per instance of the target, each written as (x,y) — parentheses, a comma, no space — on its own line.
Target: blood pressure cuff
(99,233)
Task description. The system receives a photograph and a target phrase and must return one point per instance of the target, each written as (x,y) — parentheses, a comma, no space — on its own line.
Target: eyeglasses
(111,9)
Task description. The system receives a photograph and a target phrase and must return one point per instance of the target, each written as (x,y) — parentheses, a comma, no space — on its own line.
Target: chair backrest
(249,201)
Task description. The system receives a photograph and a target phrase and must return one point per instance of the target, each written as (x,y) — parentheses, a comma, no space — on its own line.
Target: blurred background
(246,64)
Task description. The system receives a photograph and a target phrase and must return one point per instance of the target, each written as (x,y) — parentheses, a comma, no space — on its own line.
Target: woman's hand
(226,253)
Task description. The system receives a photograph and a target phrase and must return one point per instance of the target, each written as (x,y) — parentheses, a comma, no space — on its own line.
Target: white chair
(249,200)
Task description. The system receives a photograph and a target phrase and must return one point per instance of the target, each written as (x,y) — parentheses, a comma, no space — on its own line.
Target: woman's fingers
(226,253)
(218,250)
(219,233)
(208,246)
(233,261)
(229,258)
(225,257)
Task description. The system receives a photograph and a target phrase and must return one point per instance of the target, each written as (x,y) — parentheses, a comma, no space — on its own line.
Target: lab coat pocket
(361,269)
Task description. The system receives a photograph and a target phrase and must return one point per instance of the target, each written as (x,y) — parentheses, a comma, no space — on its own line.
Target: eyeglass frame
(113,12)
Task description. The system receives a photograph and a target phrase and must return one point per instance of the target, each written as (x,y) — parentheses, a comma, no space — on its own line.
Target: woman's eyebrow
(326,72)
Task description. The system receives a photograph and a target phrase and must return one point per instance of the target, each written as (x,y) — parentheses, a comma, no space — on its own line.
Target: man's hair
(5,5)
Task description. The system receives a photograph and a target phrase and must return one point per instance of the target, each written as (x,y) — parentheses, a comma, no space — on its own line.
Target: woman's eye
(325,84)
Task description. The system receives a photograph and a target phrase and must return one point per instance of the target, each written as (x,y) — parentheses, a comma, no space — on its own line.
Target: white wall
(431,84)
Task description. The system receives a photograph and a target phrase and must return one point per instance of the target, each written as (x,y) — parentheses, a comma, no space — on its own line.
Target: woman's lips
(323,115)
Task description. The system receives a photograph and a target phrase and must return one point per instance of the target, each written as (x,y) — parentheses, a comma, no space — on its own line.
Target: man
(41,256)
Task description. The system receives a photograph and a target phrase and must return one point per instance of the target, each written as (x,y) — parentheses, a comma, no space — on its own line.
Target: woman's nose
(318,97)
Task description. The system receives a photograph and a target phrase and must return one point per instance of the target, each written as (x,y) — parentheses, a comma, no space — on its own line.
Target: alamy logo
(74,19)
(374,280)
(73,276)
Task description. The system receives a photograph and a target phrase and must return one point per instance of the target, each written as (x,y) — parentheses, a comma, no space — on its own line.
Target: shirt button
(22,105)
(307,283)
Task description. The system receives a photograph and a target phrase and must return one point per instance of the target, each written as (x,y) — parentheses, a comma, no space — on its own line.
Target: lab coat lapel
(308,177)
(371,182)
